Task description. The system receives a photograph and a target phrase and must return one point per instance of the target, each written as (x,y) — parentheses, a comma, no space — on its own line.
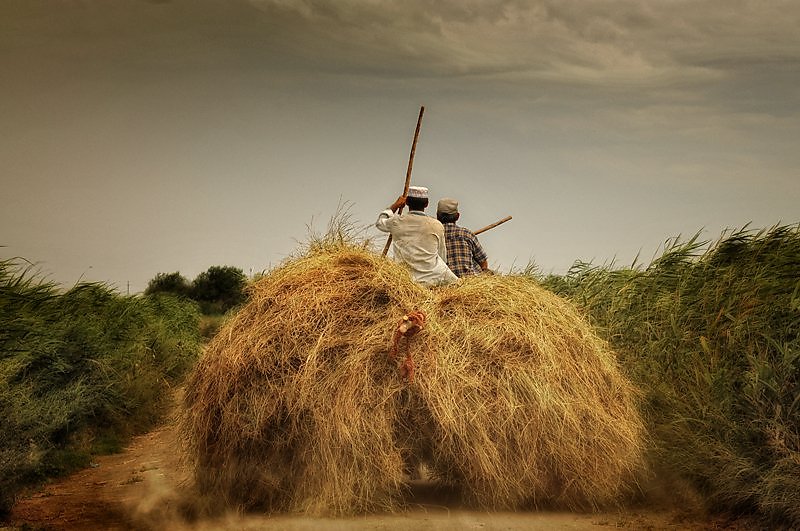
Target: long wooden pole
(493,225)
(408,171)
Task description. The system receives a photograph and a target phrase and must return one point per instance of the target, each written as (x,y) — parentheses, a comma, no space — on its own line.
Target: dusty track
(145,487)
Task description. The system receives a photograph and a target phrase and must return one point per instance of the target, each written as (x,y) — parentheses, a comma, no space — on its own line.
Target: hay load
(297,406)
(528,405)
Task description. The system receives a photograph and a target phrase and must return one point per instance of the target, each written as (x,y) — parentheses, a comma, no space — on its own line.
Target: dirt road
(143,488)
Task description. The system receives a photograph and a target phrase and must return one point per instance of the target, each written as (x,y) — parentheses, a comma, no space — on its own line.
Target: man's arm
(384,217)
(399,203)
(478,254)
(442,247)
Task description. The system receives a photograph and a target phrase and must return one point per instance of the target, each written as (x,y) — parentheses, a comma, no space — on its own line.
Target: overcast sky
(140,137)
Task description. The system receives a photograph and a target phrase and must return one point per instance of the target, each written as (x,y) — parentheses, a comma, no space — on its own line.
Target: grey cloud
(634,41)
(601,44)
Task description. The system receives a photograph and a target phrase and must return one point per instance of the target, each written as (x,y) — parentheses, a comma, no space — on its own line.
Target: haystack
(296,405)
(527,404)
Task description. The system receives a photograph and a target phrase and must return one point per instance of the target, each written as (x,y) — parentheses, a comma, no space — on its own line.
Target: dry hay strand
(295,405)
(527,404)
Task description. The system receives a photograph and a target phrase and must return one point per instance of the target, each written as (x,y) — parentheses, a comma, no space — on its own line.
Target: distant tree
(169,283)
(219,288)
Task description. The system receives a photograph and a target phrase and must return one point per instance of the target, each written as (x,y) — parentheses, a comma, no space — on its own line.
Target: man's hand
(397,205)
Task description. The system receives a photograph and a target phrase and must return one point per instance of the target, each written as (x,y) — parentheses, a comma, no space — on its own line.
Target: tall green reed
(710,334)
(81,370)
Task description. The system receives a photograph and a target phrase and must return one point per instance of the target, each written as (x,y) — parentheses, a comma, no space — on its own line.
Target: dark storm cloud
(624,41)
(602,45)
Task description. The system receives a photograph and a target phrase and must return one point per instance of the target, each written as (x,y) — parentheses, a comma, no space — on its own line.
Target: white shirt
(418,241)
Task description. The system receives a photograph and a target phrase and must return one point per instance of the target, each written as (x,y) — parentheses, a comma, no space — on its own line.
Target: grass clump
(295,405)
(710,333)
(80,371)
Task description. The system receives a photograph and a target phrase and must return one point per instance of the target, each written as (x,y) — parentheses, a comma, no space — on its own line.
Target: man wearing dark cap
(418,240)
(465,256)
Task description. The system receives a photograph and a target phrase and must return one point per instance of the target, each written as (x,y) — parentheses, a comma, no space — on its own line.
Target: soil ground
(145,487)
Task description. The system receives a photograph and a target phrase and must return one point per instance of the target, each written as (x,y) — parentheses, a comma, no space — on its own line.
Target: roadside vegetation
(217,291)
(710,335)
(81,371)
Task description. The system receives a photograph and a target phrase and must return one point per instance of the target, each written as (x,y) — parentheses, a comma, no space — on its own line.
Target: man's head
(417,198)
(447,210)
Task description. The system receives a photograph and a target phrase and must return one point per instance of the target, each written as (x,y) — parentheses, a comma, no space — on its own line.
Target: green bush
(81,371)
(219,288)
(711,336)
(216,290)
(174,283)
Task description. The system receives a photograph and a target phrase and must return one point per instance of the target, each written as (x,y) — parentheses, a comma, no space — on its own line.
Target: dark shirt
(464,252)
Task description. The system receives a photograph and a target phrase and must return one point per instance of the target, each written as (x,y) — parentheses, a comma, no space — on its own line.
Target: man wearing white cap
(418,240)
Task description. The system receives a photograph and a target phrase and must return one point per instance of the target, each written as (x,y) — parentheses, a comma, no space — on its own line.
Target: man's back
(418,241)
(464,252)
(465,256)
(417,233)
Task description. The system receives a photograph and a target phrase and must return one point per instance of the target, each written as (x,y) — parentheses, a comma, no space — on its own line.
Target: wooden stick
(408,171)
(493,225)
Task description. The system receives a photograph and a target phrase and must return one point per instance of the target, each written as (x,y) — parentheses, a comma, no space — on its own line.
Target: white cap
(418,191)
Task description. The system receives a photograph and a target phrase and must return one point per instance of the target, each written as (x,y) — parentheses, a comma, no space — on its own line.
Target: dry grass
(295,405)
(529,405)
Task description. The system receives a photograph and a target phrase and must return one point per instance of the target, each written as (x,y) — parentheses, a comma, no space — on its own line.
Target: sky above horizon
(147,136)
